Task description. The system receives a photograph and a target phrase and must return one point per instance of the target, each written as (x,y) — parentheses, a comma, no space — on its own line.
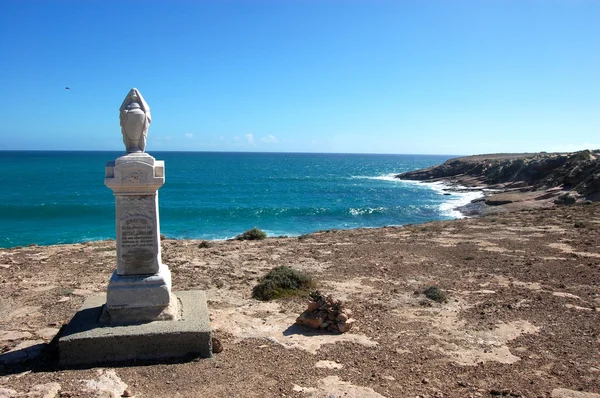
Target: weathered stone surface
(326,313)
(135,119)
(47,390)
(135,291)
(7,392)
(135,180)
(140,288)
(135,173)
(11,335)
(87,341)
(108,385)
(566,393)
(24,351)
(309,319)
(47,333)
(345,326)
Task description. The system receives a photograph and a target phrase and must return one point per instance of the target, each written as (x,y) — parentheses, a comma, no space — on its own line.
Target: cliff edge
(577,172)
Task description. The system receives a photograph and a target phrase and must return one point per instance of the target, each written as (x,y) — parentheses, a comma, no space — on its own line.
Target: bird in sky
(67,88)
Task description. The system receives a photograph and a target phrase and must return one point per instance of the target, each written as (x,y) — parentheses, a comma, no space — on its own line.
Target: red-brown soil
(522,319)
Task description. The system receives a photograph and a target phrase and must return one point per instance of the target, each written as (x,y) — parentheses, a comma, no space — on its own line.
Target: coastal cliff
(577,172)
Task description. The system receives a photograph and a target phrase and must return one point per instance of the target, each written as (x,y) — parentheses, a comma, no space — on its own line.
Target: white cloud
(189,135)
(269,138)
(250,138)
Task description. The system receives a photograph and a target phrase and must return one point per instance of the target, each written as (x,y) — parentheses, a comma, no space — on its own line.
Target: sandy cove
(523,319)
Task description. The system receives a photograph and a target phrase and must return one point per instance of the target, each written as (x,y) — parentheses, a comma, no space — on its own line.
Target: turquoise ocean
(59,197)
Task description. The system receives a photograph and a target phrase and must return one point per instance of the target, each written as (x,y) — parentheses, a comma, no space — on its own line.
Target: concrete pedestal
(87,341)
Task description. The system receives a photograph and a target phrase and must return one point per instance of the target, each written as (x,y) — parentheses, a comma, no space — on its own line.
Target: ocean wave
(452,199)
(456,199)
(367,210)
(387,177)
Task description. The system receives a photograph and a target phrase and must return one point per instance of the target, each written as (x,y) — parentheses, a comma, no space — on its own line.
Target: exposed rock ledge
(531,179)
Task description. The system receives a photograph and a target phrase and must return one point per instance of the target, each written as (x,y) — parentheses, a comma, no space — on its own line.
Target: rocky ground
(522,318)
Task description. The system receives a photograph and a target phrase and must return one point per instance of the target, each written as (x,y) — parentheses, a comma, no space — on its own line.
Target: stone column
(140,288)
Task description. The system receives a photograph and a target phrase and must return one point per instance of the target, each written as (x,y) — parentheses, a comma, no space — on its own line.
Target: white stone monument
(139,318)
(140,288)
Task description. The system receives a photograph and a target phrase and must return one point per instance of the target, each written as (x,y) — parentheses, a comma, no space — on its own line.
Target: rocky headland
(514,181)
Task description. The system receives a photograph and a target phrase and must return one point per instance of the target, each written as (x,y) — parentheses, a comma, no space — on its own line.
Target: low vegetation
(252,234)
(205,244)
(436,294)
(282,282)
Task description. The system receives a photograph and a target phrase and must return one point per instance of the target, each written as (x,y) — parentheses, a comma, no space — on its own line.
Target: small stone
(342,317)
(47,333)
(345,326)
(312,306)
(217,346)
(330,316)
(309,319)
(425,381)
(324,325)
(127,393)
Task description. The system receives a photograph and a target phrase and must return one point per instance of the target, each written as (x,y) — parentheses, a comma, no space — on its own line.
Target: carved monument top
(135,118)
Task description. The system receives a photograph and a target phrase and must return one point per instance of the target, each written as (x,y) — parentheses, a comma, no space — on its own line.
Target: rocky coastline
(518,181)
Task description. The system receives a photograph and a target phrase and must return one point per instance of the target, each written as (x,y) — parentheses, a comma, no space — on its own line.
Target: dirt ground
(522,319)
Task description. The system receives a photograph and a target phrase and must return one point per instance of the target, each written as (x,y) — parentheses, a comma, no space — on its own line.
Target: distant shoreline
(513,181)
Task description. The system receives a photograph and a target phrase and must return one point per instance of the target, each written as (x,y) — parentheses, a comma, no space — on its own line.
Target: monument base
(87,341)
(140,298)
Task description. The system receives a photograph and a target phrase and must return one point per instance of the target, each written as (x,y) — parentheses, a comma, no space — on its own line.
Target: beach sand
(522,319)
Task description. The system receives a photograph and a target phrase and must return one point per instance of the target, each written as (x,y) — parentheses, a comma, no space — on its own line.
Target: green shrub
(204,244)
(436,294)
(280,282)
(252,234)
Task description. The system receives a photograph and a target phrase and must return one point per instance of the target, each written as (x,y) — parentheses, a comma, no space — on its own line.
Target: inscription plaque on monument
(138,237)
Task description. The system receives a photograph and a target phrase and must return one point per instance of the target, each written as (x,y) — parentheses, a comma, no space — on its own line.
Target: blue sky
(430,77)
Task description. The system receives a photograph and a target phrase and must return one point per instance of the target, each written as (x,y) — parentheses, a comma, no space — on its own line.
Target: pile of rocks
(325,313)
